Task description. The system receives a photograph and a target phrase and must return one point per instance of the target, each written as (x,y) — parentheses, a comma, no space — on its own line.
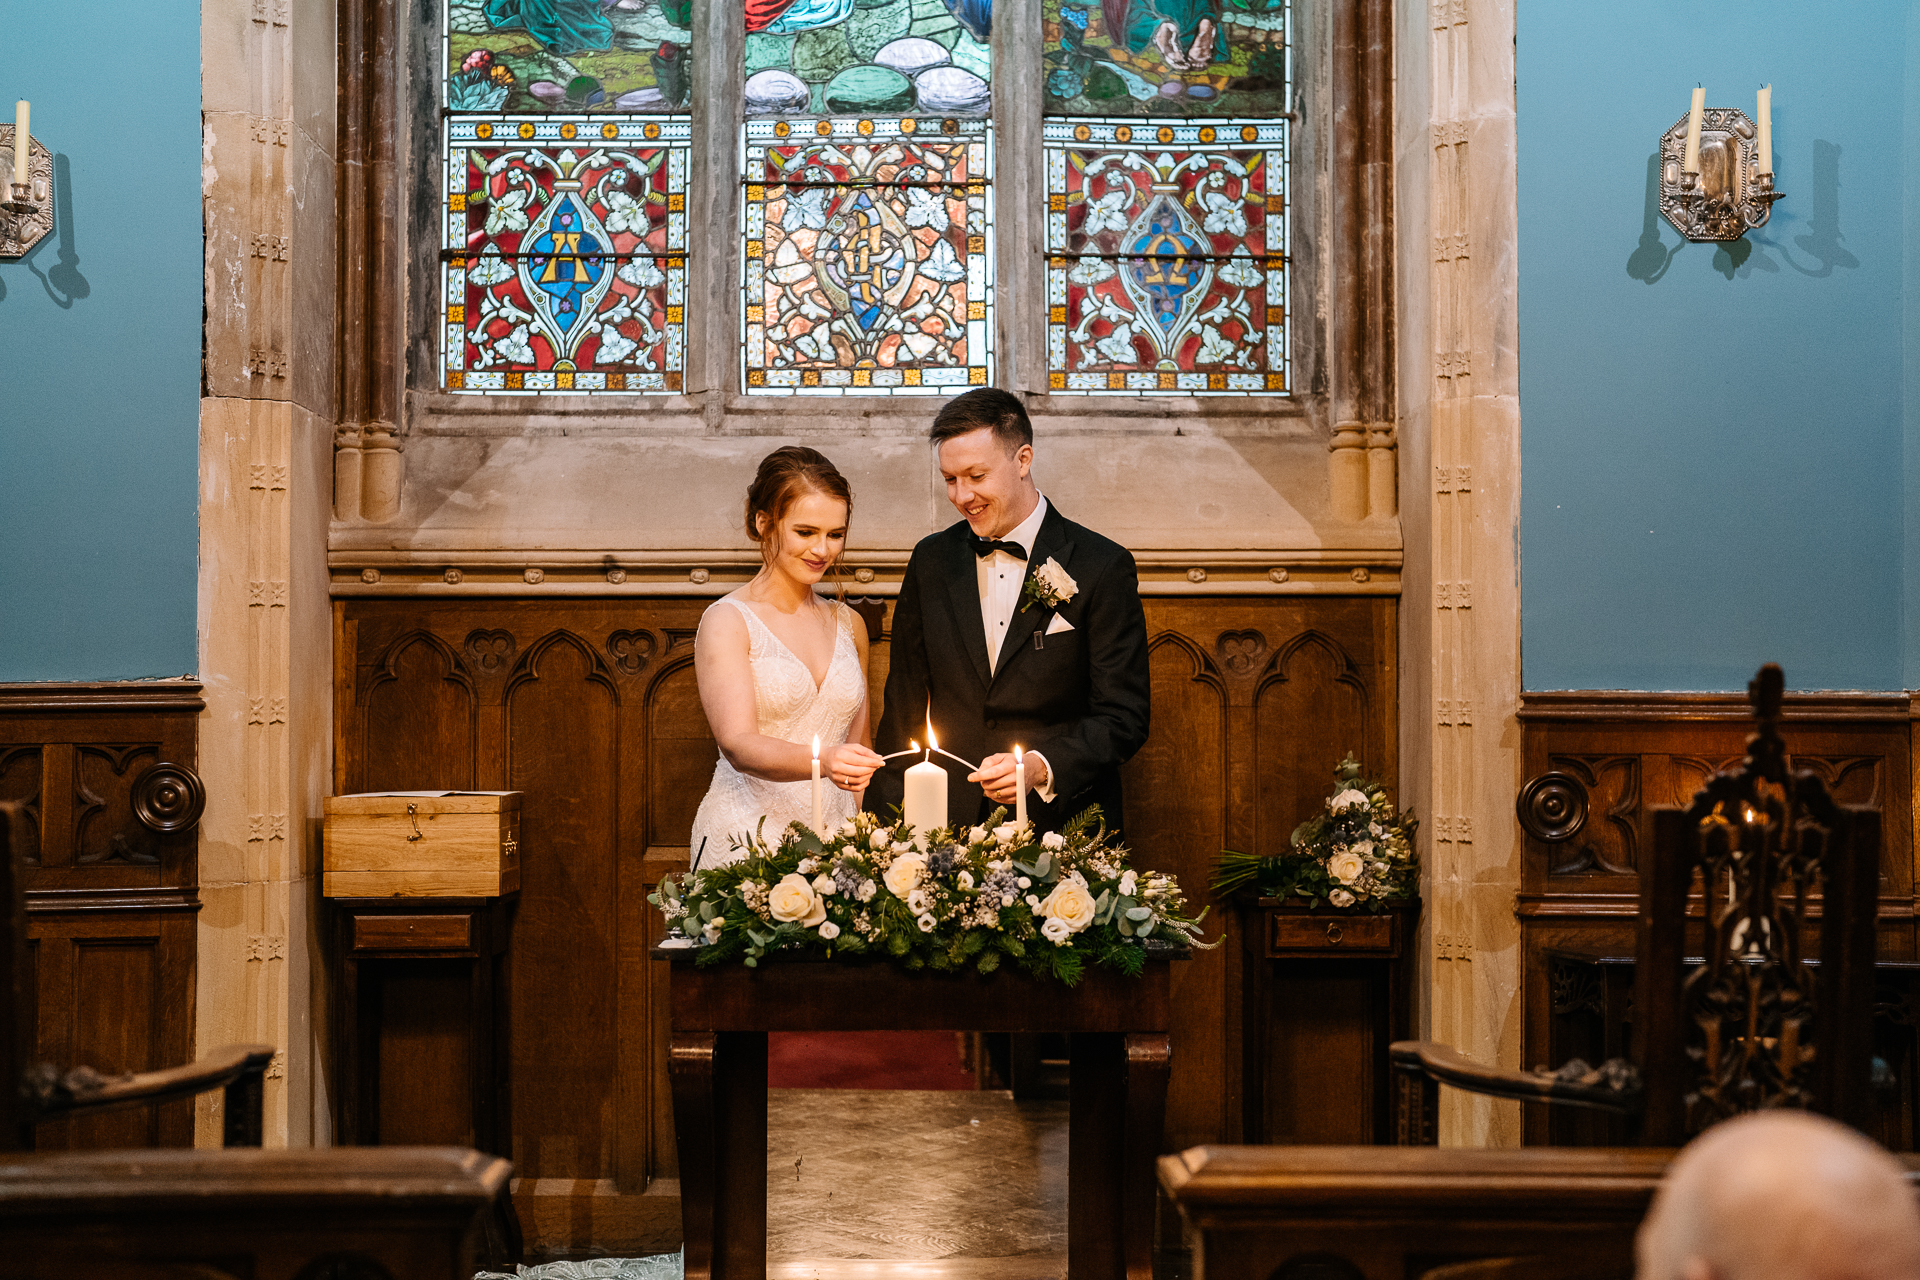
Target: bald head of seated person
(1782,1195)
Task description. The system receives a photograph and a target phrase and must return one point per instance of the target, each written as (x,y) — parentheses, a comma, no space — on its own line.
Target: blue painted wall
(100,349)
(1721,450)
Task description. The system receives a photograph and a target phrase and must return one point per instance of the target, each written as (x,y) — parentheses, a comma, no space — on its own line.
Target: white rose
(847,828)
(977,835)
(792,899)
(1070,902)
(1056,930)
(1056,579)
(1345,867)
(1348,799)
(966,879)
(907,871)
(1340,898)
(926,923)
(1128,883)
(829,931)
(1363,847)
(1004,832)
(903,846)
(1053,840)
(824,886)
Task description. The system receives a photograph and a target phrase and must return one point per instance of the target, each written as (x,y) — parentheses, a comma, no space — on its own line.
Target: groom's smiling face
(989,486)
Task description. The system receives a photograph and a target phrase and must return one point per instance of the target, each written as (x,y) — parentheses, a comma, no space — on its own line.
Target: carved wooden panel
(591,708)
(1634,751)
(110,901)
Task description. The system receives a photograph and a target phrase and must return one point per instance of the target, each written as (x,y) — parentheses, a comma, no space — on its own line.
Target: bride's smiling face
(810,537)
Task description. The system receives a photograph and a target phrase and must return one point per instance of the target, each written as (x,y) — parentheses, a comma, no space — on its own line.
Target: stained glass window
(867,160)
(1166,257)
(1166,151)
(567,146)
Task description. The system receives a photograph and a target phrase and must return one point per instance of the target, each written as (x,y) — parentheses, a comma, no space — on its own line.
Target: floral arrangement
(1359,853)
(945,900)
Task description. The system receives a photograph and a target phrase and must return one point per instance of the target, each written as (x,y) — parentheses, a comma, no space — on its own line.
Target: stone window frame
(1340,258)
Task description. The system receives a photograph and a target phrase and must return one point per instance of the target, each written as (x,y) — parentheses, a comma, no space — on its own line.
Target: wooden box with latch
(423,844)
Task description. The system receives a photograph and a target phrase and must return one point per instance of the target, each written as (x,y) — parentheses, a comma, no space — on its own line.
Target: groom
(1016,626)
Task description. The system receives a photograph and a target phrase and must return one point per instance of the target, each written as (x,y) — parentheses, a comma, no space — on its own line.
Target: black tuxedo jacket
(1078,697)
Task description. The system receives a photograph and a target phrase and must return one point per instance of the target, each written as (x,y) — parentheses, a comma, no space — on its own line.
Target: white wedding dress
(792,709)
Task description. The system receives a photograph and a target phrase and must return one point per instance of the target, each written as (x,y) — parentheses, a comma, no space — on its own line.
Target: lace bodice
(792,708)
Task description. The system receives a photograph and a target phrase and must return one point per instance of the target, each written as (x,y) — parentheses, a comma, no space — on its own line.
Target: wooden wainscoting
(589,706)
(1633,751)
(110,901)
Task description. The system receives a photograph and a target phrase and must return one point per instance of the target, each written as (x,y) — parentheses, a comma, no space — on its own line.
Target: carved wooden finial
(1766,753)
(1765,692)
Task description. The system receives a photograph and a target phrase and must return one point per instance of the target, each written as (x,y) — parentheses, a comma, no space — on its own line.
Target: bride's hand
(849,765)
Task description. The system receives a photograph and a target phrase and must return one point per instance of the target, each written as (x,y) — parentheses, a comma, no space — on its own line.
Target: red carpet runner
(866,1060)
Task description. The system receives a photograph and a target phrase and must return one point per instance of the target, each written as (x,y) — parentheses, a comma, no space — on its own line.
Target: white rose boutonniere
(1049,585)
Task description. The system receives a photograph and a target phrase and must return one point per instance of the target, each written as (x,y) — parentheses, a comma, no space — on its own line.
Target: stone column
(1460,485)
(267,484)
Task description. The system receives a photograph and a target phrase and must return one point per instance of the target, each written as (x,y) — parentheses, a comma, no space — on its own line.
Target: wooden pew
(366,1213)
(1397,1213)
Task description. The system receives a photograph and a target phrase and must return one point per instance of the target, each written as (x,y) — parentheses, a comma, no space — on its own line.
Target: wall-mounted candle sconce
(1716,170)
(26,200)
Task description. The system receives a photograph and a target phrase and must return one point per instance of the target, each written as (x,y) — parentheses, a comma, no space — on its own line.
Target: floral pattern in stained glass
(565,255)
(1166,257)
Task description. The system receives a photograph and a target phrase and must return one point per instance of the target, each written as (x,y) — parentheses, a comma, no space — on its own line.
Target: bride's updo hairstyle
(784,475)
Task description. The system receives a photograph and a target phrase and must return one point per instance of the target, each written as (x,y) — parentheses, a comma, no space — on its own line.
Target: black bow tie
(984,547)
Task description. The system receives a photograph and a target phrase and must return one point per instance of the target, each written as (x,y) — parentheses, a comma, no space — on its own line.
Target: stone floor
(911,1185)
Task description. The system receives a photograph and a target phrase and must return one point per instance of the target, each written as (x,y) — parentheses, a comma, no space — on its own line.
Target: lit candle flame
(933,743)
(816,746)
(1017,753)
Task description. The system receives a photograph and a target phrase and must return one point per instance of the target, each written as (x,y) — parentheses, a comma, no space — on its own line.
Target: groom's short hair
(990,407)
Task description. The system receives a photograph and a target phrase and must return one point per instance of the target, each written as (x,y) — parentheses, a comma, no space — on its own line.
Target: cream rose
(1348,799)
(792,899)
(907,871)
(1069,902)
(1340,898)
(1345,867)
(829,931)
(1053,840)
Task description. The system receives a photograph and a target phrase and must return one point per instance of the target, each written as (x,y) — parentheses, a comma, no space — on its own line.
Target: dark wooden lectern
(717,1062)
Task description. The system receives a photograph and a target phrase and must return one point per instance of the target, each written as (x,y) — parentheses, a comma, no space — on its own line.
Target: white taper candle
(816,786)
(22,141)
(1019,786)
(1690,163)
(1766,128)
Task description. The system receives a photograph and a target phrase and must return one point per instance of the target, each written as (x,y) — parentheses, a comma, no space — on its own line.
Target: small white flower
(867,889)
(1363,847)
(713,930)
(809,865)
(1348,799)
(1128,883)
(965,879)
(1053,840)
(977,835)
(1340,898)
(1006,899)
(1024,883)
(824,886)
(903,846)
(1033,900)
(847,828)
(917,902)
(1056,930)
(925,923)
(829,931)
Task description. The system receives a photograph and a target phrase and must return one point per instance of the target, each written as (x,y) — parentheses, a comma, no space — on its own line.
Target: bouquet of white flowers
(1359,852)
(968,897)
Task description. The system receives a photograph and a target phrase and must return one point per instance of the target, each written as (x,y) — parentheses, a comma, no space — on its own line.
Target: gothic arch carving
(388,667)
(528,668)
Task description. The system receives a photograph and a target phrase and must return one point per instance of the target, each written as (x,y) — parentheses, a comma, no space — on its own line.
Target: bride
(778,664)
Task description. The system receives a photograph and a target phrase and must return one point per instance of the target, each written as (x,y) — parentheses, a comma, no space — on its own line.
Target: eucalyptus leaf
(1140,913)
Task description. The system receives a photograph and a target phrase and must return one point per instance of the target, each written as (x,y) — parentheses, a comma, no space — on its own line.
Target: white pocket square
(1058,625)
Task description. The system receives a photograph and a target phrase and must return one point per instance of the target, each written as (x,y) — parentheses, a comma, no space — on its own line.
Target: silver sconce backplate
(26,210)
(1729,196)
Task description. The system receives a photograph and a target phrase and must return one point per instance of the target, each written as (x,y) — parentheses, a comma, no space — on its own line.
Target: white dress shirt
(1002,576)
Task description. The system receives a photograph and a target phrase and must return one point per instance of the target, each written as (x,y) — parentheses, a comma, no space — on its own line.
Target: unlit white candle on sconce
(21,141)
(816,784)
(1690,163)
(1766,128)
(924,803)
(1019,786)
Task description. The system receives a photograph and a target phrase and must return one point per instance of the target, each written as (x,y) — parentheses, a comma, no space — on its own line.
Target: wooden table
(717,1064)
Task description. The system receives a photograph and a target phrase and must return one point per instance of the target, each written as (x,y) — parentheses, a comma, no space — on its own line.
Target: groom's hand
(996,777)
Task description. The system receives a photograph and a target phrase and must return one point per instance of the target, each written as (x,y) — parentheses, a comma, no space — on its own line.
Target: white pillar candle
(1690,163)
(1019,786)
(21,141)
(1766,128)
(816,786)
(924,805)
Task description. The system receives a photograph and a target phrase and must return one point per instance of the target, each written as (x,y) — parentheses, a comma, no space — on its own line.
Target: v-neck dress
(792,708)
